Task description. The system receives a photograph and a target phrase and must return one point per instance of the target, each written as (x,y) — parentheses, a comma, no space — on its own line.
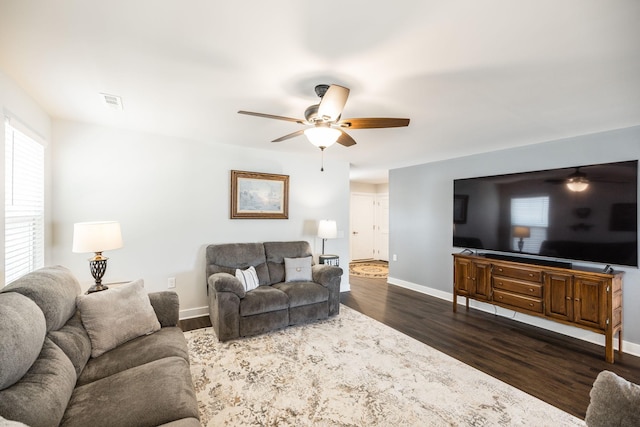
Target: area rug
(370,269)
(350,370)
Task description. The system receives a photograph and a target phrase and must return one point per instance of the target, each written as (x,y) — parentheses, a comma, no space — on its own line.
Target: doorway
(369,233)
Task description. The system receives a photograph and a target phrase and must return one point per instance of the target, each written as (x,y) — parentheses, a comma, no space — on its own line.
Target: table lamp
(327,229)
(521,232)
(97,237)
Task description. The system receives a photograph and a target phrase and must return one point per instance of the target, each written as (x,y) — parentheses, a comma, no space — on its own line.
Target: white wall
(421,219)
(27,114)
(172,198)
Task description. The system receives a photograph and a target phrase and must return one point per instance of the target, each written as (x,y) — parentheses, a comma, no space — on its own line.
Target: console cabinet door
(482,280)
(558,298)
(463,278)
(590,301)
(473,278)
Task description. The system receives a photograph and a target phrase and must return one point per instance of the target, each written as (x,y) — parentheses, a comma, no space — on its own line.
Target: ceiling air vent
(112,101)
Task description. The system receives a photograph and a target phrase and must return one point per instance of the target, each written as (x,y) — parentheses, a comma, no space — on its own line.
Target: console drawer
(524,288)
(520,301)
(523,273)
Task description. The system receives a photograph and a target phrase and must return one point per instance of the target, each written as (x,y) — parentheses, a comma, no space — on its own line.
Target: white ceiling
(473,76)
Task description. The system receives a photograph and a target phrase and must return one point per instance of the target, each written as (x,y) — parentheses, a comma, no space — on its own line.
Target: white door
(362,222)
(382,227)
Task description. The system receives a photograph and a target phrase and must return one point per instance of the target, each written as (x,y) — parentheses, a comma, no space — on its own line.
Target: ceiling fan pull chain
(321,159)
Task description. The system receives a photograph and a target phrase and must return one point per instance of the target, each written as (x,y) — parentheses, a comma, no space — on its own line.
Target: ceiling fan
(323,122)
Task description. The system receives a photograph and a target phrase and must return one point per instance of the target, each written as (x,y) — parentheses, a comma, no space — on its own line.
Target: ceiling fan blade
(289,136)
(333,102)
(373,123)
(345,139)
(271,116)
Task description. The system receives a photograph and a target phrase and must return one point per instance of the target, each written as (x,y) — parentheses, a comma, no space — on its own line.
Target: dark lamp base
(97,288)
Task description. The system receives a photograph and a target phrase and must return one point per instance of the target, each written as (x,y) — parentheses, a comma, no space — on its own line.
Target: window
(24,204)
(530,213)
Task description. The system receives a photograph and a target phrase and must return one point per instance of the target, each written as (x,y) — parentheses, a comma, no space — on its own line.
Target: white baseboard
(190,313)
(345,287)
(574,332)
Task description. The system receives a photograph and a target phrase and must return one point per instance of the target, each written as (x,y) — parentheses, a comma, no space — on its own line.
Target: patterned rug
(371,269)
(350,370)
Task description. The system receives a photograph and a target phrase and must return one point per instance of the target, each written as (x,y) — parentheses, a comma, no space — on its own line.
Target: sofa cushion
(22,332)
(614,402)
(248,278)
(297,269)
(117,315)
(41,396)
(276,252)
(155,393)
(263,299)
(166,342)
(54,289)
(303,293)
(73,339)
(225,258)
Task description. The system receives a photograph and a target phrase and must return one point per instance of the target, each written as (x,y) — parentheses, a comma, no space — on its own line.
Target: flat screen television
(583,213)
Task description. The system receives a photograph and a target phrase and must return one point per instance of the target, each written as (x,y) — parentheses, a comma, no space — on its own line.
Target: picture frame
(256,195)
(460,202)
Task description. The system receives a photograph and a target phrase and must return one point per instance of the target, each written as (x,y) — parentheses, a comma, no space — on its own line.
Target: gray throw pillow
(117,315)
(614,402)
(297,269)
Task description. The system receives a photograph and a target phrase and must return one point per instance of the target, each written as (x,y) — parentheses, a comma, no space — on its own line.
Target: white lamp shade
(322,136)
(327,229)
(96,236)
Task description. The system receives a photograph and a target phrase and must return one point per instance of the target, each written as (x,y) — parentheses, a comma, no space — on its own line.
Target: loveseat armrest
(225,282)
(329,276)
(166,304)
(326,274)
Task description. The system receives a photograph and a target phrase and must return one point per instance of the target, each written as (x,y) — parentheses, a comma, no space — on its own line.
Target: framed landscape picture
(259,195)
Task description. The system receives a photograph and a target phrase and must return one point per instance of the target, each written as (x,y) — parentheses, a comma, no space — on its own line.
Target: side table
(329,259)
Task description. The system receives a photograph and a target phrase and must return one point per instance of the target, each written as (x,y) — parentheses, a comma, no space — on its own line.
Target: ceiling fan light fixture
(577,182)
(322,136)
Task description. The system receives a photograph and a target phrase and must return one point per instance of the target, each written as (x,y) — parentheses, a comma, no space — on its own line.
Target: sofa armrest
(166,304)
(325,274)
(329,276)
(225,282)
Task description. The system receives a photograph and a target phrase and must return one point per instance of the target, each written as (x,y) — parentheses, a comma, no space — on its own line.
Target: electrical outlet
(395,257)
(171,284)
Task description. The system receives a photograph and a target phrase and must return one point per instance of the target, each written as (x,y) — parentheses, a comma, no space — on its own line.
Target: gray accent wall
(421,216)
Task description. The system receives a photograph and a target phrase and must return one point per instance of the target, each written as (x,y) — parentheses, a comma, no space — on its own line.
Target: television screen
(582,213)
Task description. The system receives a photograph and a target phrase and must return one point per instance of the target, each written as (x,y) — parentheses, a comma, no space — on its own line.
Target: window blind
(532,212)
(24,204)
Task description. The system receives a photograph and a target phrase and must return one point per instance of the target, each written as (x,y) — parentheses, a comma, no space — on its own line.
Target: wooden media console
(584,298)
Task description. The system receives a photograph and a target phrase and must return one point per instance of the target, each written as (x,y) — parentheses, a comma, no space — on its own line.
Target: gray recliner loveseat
(276,303)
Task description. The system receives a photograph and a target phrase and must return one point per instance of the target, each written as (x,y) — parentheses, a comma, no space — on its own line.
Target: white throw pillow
(117,315)
(248,278)
(297,269)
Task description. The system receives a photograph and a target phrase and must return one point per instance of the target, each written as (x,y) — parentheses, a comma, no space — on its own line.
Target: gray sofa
(276,303)
(49,378)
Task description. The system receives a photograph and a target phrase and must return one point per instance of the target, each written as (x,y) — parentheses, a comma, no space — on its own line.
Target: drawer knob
(530,304)
(499,269)
(499,296)
(530,274)
(530,289)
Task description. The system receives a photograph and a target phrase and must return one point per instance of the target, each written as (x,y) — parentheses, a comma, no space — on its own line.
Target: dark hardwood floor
(552,367)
